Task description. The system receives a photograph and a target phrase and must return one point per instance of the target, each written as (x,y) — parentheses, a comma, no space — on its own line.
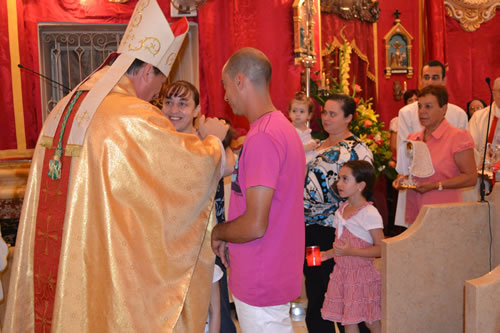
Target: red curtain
(7,125)
(473,56)
(362,33)
(435,34)
(226,26)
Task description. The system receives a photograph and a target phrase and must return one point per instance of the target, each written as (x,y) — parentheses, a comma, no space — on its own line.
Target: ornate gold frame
(471,13)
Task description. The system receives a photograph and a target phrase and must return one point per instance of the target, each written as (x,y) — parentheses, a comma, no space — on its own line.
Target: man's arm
(476,133)
(247,227)
(403,126)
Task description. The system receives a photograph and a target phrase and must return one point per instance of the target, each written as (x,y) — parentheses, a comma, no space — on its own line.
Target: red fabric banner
(225,27)
(7,123)
(473,56)
(362,34)
(435,34)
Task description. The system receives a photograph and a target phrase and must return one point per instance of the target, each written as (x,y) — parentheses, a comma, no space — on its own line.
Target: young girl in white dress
(301,111)
(354,290)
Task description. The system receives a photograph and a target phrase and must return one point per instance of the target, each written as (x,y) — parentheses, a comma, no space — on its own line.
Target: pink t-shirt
(268,271)
(443,144)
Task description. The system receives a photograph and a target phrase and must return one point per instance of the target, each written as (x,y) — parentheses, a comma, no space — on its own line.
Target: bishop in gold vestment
(134,251)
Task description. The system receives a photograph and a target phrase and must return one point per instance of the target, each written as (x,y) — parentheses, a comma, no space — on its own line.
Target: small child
(354,291)
(300,111)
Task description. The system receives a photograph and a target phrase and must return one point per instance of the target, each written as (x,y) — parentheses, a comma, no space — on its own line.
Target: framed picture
(398,46)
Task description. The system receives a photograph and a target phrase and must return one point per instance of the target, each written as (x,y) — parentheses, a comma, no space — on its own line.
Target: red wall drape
(7,125)
(226,26)
(435,31)
(362,33)
(472,57)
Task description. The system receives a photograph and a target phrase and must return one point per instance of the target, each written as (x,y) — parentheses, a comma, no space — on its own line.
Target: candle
(313,256)
(404,87)
(323,76)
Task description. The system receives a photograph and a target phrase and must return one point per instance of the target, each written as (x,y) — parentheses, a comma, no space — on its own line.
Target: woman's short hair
(439,91)
(301,97)
(472,100)
(182,89)
(347,103)
(363,171)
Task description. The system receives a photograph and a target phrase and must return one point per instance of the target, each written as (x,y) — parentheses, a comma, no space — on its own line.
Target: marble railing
(424,270)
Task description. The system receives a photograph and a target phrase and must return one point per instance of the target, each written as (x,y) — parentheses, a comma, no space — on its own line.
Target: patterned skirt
(355,288)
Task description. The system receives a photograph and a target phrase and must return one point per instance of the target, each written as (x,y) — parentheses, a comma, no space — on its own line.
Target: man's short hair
(182,89)
(136,67)
(440,92)
(251,62)
(436,63)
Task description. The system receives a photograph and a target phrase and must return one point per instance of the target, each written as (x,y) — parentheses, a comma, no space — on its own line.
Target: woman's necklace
(334,140)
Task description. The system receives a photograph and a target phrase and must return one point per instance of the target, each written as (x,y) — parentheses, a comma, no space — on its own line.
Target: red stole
(49,228)
(492,129)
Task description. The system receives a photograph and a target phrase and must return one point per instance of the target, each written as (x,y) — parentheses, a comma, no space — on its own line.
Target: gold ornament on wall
(398,50)
(471,13)
(363,10)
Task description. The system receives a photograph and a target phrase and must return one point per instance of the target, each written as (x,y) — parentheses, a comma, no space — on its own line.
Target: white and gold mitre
(150,38)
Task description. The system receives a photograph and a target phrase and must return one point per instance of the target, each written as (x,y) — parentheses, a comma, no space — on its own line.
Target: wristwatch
(440,186)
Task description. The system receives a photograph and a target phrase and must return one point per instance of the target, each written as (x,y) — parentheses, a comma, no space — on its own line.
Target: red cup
(313,256)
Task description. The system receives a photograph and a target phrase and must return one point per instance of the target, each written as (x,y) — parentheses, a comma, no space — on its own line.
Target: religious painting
(304,12)
(398,51)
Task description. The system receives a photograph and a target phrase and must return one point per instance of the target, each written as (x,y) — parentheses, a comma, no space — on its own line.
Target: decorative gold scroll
(471,13)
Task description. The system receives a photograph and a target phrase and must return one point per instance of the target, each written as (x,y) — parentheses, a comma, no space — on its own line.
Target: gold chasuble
(118,242)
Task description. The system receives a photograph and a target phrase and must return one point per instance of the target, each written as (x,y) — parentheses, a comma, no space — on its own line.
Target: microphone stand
(482,189)
(43,76)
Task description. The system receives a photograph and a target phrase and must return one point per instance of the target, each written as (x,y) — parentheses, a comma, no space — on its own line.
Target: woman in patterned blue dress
(321,200)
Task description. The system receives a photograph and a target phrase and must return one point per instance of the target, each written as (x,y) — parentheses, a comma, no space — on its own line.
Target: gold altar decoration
(471,13)
(303,28)
(398,47)
(363,10)
(304,14)
(336,44)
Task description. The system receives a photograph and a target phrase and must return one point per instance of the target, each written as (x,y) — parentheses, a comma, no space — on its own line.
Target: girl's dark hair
(348,105)
(363,171)
(182,89)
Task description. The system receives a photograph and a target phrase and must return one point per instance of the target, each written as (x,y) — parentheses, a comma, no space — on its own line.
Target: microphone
(43,76)
(482,189)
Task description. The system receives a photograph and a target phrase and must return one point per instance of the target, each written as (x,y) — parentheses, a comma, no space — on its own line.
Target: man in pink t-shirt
(265,232)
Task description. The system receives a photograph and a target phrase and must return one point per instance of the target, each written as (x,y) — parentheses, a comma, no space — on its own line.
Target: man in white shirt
(479,122)
(433,73)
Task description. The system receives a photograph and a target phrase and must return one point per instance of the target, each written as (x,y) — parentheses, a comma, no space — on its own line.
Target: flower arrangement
(365,123)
